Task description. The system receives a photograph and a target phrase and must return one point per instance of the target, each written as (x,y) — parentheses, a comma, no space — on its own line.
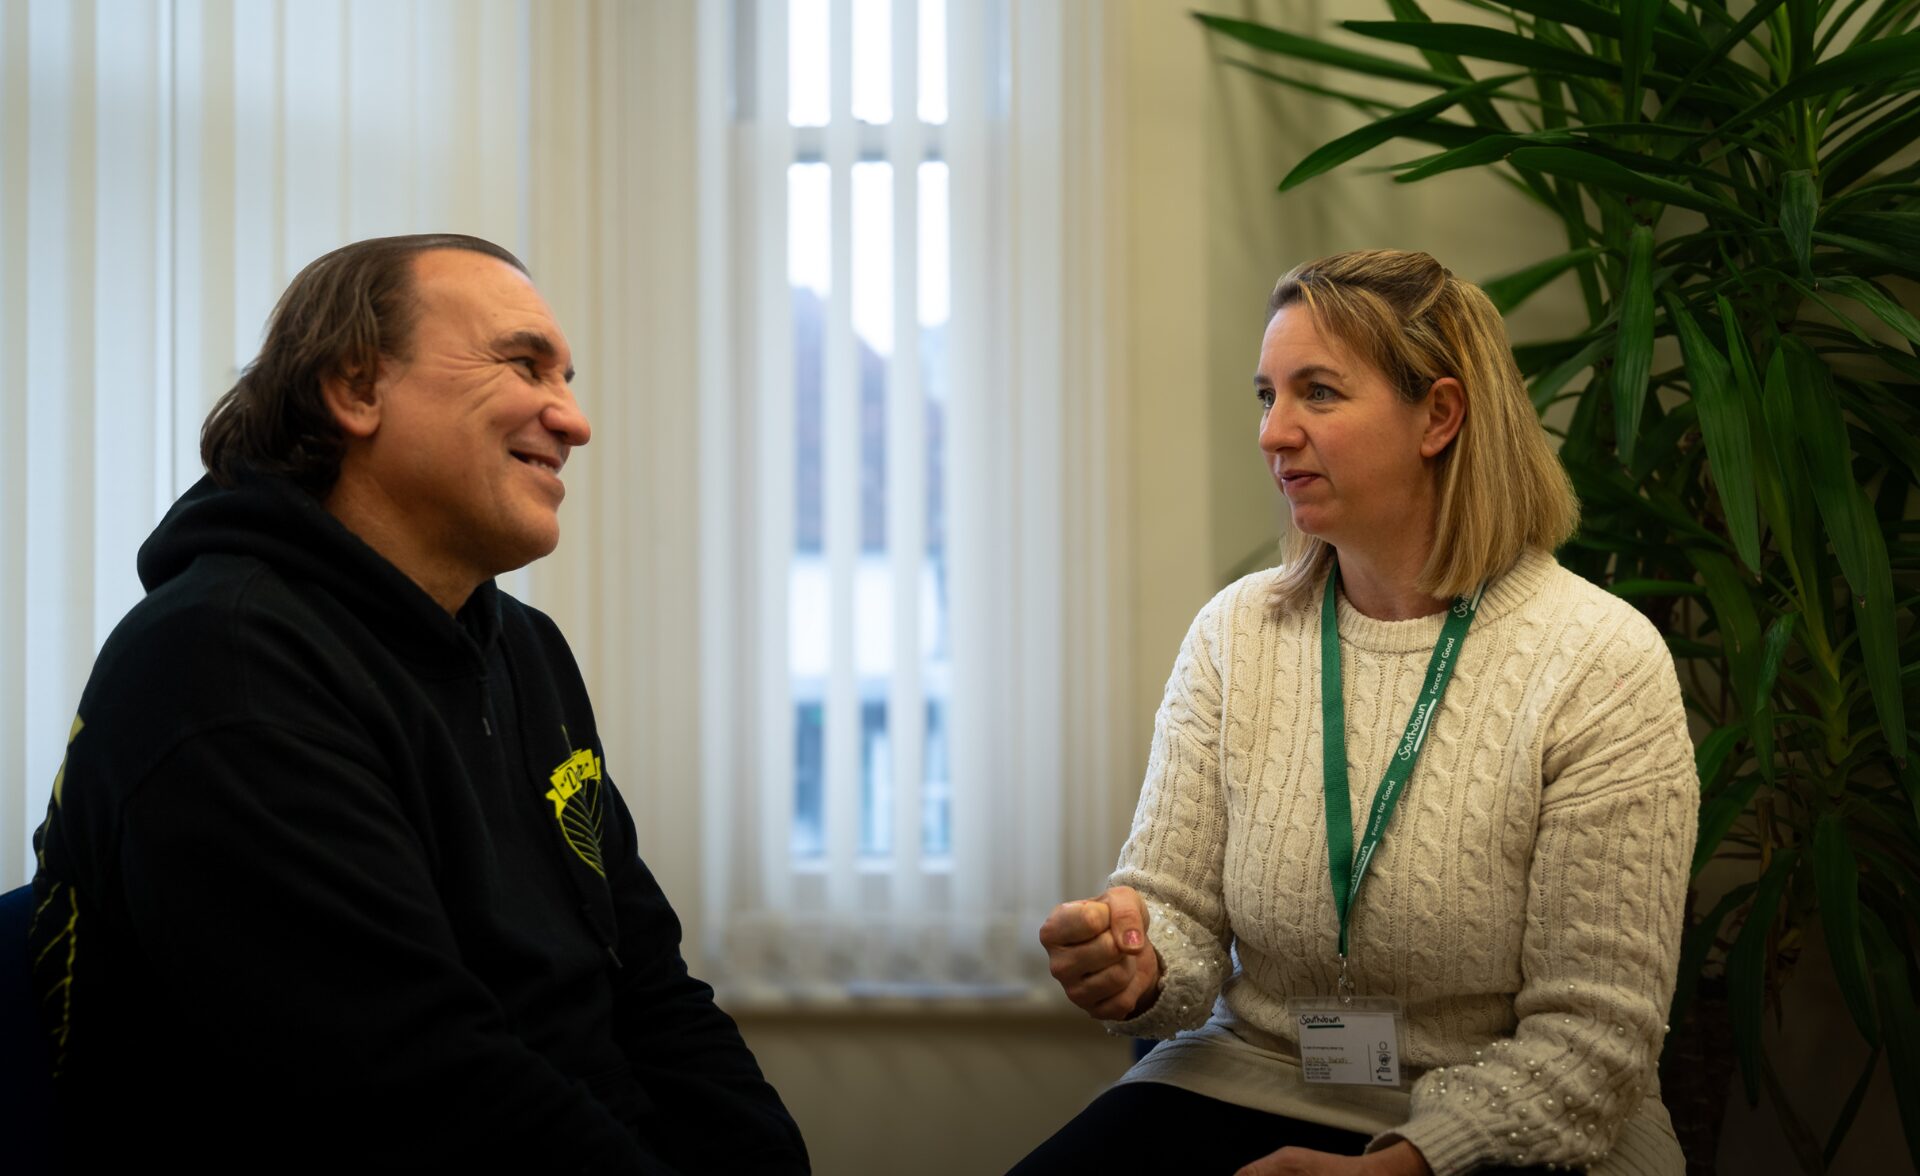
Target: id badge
(1349,1043)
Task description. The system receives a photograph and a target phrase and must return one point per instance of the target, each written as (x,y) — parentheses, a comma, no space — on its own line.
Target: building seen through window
(863,437)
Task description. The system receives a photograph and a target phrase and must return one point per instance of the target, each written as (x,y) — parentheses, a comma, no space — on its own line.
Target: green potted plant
(1741,207)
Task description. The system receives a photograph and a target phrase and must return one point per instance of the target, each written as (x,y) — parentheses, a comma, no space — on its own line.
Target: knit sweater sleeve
(1175,852)
(1606,889)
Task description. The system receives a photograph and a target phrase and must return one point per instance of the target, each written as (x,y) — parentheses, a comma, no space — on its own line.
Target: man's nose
(565,419)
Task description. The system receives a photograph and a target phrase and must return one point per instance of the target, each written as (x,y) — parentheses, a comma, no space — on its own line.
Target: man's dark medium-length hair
(344,314)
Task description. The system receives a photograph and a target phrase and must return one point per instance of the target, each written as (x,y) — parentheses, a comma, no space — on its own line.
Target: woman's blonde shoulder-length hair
(1501,486)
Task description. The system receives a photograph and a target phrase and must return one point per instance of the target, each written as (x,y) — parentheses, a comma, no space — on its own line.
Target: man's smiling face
(472,427)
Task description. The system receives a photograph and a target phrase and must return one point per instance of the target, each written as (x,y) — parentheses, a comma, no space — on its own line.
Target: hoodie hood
(275,522)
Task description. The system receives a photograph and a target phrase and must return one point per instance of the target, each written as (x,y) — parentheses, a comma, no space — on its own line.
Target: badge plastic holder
(1350,1041)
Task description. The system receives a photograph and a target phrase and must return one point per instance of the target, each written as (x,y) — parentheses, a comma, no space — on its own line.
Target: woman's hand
(1099,952)
(1402,1159)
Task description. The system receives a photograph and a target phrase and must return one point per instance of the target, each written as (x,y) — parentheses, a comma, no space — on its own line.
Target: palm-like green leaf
(1729,436)
(1799,204)
(1288,44)
(1366,138)
(1510,290)
(1857,541)
(1714,57)
(1773,649)
(1590,168)
(1879,302)
(1636,41)
(1836,877)
(1746,973)
(1894,62)
(1633,356)
(1902,1024)
(1856,158)
(1487,149)
(1484,43)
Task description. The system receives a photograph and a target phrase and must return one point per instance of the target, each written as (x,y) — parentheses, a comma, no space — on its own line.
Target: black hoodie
(334,880)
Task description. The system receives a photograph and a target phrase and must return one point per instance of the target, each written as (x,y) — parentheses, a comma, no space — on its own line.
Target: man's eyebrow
(533,341)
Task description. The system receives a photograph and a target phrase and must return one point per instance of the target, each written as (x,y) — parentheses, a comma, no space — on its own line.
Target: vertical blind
(166,167)
(892,735)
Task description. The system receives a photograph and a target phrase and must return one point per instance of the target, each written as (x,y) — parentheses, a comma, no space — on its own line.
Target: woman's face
(1345,448)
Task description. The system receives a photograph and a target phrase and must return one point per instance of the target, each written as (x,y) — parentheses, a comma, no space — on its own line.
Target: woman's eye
(1320,393)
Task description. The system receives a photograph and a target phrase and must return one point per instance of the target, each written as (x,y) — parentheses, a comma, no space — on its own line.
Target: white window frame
(1031,507)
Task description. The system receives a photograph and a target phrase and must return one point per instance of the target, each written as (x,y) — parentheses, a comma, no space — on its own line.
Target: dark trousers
(1153,1127)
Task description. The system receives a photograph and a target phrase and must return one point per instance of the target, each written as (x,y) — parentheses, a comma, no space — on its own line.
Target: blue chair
(26,1072)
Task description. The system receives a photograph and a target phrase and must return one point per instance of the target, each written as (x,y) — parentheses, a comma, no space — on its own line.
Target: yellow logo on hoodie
(576,805)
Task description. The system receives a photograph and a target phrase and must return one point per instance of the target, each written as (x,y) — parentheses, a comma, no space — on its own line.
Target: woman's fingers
(1074,922)
(1099,953)
(1110,993)
(1127,918)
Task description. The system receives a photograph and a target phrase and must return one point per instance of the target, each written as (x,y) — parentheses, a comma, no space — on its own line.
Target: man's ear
(353,399)
(1446,410)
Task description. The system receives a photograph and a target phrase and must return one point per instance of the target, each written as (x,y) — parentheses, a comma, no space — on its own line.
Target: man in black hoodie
(334,876)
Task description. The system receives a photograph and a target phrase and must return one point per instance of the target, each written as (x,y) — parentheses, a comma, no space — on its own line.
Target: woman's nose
(1278,430)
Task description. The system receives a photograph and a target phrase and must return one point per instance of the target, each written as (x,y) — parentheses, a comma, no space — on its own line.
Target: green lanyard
(1347,871)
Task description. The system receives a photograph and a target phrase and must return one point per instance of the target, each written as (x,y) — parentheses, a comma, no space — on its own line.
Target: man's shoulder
(221,608)
(224,641)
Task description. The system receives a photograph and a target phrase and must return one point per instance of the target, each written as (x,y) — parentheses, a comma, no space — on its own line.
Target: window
(891,493)
(867,585)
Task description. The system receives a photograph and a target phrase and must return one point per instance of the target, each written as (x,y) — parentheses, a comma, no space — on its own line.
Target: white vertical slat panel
(126,321)
(215,329)
(198,240)
(1038,38)
(727,734)
(443,60)
(158,378)
(659,104)
(773,404)
(489,147)
(259,177)
(313,131)
(564,258)
(599,533)
(1096,405)
(976,753)
(840,472)
(906,468)
(626,456)
(383,74)
(59,371)
(17,818)
(501,137)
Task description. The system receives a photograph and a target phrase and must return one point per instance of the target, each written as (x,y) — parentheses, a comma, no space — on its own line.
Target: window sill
(899,1001)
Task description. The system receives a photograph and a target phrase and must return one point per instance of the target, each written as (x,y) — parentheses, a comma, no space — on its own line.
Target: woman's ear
(353,399)
(1446,410)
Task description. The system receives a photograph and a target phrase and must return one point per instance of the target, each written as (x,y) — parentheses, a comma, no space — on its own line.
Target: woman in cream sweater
(1507,764)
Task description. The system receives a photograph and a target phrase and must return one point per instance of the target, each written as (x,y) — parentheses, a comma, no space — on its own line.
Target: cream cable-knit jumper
(1525,904)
